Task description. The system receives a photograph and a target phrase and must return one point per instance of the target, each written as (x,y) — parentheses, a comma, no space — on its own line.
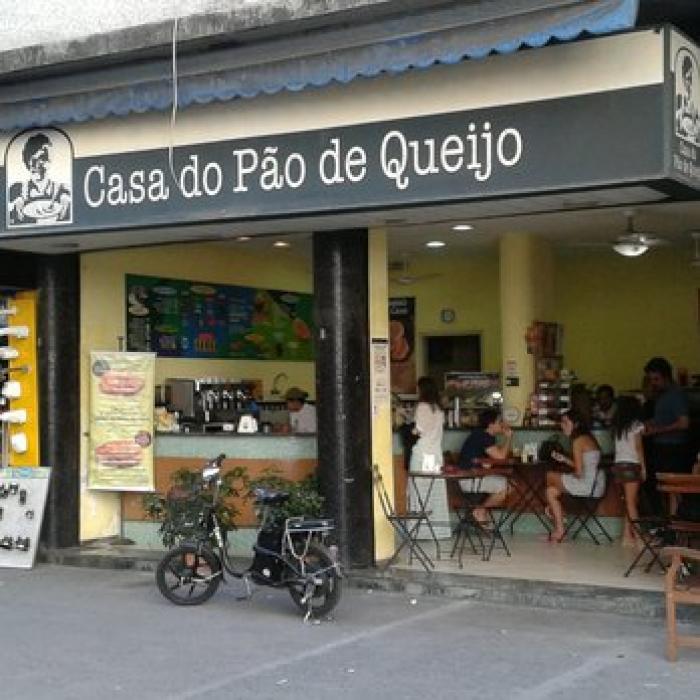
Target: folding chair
(588,505)
(406,525)
(647,528)
(487,537)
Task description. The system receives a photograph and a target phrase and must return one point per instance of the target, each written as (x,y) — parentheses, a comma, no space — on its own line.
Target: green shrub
(180,509)
(304,497)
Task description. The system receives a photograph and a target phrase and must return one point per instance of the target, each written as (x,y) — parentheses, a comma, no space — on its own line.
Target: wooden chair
(681,588)
(676,486)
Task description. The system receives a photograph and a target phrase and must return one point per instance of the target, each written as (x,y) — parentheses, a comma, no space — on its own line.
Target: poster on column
(121,421)
(402,340)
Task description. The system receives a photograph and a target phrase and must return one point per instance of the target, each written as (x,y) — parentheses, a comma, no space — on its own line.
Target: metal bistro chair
(488,536)
(646,528)
(406,525)
(588,505)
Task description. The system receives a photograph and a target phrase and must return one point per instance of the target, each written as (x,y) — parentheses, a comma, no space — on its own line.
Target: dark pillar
(58,336)
(342,389)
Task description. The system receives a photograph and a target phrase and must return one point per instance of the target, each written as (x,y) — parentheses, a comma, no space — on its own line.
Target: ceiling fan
(403,275)
(634,243)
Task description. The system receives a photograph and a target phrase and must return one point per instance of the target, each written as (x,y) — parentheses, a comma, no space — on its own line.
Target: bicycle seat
(269,497)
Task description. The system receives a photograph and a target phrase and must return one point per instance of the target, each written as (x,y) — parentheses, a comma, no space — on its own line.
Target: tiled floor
(533,558)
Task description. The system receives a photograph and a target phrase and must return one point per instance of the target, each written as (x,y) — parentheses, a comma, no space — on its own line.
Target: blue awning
(394,48)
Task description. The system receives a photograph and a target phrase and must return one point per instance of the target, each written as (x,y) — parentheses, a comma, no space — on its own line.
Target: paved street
(82,633)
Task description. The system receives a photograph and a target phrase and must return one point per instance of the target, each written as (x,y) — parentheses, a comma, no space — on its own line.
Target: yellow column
(382,453)
(526,280)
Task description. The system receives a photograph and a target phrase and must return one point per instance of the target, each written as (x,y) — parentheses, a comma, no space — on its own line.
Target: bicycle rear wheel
(188,575)
(327,583)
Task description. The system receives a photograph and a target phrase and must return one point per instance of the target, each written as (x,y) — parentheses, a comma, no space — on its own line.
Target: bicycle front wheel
(188,575)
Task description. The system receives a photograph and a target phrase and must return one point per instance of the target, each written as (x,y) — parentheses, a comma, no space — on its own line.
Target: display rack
(23,485)
(551,396)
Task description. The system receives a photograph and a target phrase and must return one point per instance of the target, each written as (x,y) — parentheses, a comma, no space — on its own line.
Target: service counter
(290,456)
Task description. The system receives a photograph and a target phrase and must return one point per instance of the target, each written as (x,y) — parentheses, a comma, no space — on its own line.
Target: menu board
(121,421)
(181,318)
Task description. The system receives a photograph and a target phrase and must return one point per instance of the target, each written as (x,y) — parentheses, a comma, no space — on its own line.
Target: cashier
(302,415)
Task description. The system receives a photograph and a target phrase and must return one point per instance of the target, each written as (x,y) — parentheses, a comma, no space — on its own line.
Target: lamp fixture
(435,244)
(462,227)
(631,249)
(281,244)
(242,239)
(635,243)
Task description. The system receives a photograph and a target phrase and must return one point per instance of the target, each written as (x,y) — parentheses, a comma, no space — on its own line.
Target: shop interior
(621,282)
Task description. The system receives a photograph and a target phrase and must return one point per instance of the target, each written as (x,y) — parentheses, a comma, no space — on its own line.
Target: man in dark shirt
(477,451)
(668,429)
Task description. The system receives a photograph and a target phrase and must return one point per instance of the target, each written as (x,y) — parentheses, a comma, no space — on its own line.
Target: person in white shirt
(302,415)
(629,451)
(427,456)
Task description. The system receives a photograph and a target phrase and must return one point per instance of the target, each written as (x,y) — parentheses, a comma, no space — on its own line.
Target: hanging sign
(121,421)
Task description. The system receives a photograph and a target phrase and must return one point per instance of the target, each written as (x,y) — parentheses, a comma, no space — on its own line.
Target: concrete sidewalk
(69,633)
(415,582)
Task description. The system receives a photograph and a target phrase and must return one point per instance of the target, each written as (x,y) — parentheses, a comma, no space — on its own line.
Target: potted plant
(180,509)
(304,497)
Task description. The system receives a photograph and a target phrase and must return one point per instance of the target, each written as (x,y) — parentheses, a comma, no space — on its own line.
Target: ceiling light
(281,244)
(242,239)
(462,227)
(435,244)
(630,250)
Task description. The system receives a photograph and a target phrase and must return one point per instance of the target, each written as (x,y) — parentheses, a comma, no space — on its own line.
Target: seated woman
(584,464)
(478,448)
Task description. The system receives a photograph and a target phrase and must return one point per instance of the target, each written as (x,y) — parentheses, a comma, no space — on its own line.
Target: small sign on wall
(381,378)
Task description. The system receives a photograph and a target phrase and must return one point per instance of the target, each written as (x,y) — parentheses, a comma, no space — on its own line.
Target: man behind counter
(302,416)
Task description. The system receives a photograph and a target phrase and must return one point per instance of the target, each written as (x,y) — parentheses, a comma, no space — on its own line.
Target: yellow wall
(618,312)
(469,285)
(382,453)
(102,321)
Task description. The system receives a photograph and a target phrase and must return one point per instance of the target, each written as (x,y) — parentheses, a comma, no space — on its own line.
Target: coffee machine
(225,404)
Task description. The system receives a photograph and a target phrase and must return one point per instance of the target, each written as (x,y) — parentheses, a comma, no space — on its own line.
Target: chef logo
(687,104)
(39,166)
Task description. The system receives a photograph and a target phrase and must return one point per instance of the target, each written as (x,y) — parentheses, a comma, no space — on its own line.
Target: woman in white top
(585,480)
(427,454)
(629,455)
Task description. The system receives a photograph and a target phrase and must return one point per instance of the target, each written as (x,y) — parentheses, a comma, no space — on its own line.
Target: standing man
(668,429)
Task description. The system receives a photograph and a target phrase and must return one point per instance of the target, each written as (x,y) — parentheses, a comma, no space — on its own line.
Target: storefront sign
(121,421)
(182,318)
(684,63)
(581,141)
(402,339)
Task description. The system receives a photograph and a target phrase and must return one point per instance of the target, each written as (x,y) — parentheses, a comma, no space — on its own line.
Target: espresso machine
(225,404)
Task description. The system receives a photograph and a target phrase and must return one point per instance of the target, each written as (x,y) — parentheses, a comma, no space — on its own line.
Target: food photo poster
(121,421)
